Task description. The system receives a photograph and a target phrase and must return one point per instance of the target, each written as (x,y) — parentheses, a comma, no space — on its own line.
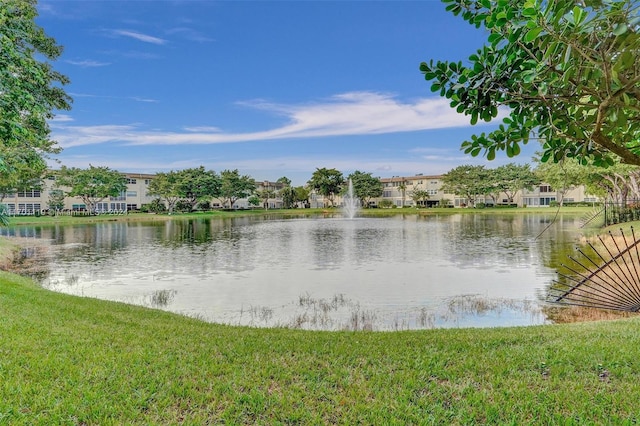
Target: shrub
(156,206)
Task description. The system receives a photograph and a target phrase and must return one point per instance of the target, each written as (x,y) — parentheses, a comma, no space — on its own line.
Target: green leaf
(620,29)
(532,34)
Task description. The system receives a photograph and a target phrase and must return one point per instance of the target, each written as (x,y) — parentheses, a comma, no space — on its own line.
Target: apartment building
(398,189)
(35,200)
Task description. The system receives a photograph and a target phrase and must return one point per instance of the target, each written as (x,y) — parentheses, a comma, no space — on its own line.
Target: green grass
(68,220)
(70,360)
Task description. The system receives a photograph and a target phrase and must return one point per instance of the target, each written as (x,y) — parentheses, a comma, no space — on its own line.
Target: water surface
(401,272)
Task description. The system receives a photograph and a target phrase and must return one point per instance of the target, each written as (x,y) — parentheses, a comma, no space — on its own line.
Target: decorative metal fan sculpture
(606,277)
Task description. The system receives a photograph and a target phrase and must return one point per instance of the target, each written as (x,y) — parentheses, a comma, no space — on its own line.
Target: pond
(402,272)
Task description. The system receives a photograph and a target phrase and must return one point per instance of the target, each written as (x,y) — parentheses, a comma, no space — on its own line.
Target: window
(132,193)
(147,181)
(102,207)
(120,197)
(545,201)
(432,191)
(131,181)
(78,207)
(28,208)
(118,207)
(546,188)
(132,207)
(31,193)
(386,194)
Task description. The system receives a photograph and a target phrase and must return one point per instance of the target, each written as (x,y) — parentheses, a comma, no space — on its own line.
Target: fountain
(350,202)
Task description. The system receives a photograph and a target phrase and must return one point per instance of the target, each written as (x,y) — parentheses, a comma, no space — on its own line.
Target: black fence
(621,212)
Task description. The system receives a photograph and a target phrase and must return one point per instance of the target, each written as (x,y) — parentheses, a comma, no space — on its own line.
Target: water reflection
(398,272)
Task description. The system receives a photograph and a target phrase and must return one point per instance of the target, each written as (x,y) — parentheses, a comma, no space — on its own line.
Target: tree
(287,192)
(288,195)
(165,186)
(402,187)
(617,182)
(264,195)
(198,184)
(233,186)
(92,185)
(563,175)
(419,196)
(365,186)
(30,92)
(254,201)
(566,70)
(302,195)
(511,178)
(326,182)
(467,181)
(56,200)
(284,180)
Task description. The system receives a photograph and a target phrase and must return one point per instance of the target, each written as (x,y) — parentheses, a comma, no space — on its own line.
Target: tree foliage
(302,195)
(419,196)
(511,178)
(265,195)
(92,185)
(566,70)
(326,182)
(30,92)
(563,175)
(467,181)
(234,186)
(365,186)
(197,184)
(165,186)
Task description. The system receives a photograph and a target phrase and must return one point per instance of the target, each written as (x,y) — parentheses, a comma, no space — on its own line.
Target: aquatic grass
(71,360)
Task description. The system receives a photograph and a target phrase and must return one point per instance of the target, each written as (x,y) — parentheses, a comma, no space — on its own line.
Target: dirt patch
(23,256)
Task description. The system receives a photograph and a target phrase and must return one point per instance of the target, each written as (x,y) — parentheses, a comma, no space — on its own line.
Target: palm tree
(402,187)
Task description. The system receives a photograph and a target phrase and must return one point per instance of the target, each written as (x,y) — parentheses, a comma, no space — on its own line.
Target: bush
(386,204)
(554,204)
(183,207)
(156,206)
(480,205)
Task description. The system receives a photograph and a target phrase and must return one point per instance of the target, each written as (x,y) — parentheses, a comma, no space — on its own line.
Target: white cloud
(139,36)
(88,63)
(132,98)
(355,113)
(61,118)
(202,129)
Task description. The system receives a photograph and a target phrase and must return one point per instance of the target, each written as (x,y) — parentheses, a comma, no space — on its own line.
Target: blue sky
(272,88)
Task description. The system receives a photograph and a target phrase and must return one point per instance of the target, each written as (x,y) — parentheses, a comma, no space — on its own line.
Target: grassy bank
(69,360)
(67,220)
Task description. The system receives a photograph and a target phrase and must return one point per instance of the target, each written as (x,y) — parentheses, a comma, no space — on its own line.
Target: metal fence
(621,212)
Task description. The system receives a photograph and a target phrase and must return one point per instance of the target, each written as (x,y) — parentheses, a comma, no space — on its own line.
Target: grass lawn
(67,220)
(70,360)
